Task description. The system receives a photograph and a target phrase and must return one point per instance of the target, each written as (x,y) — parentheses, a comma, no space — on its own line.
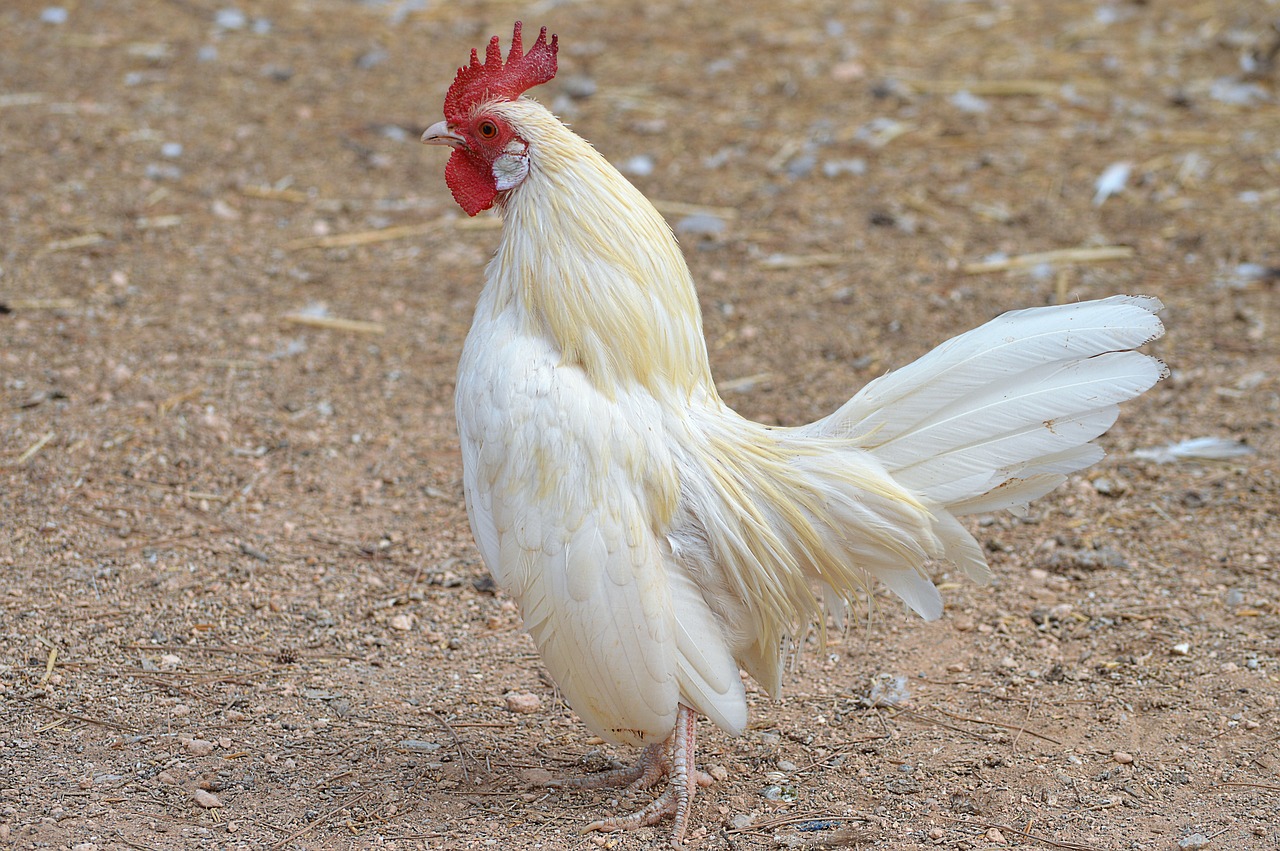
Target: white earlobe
(509,170)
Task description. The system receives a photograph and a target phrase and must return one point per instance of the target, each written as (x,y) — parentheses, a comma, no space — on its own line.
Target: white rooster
(656,541)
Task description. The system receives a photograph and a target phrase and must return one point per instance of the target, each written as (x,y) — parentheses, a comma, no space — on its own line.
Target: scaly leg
(683,779)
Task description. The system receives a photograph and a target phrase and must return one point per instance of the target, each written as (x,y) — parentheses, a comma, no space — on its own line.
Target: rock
(579,86)
(206,799)
(966,101)
(537,777)
(1194,841)
(1102,558)
(845,72)
(199,747)
(402,622)
(641,165)
(995,836)
(230,19)
(836,168)
(801,166)
(1122,757)
(701,224)
(523,703)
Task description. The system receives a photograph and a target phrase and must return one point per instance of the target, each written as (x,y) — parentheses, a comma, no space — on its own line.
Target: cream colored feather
(655,540)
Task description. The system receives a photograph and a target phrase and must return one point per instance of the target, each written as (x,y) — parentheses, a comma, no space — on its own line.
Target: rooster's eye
(487,130)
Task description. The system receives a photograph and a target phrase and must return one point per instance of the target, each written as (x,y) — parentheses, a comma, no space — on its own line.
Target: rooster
(656,541)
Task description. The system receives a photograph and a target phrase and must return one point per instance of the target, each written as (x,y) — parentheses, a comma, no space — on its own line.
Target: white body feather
(655,540)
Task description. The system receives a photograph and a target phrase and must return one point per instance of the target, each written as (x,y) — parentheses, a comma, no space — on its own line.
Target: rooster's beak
(440,134)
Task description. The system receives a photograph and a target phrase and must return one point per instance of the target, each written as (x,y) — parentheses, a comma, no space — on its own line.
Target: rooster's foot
(647,771)
(675,758)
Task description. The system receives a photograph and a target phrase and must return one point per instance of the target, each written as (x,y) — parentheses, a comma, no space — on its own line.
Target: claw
(675,759)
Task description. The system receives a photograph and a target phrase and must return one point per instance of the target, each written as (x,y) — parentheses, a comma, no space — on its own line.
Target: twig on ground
(336,323)
(1101,254)
(322,818)
(74,716)
(33,449)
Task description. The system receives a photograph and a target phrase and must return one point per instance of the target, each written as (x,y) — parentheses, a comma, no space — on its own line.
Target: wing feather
(568,494)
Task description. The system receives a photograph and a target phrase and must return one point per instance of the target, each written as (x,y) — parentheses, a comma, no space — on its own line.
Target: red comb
(522,71)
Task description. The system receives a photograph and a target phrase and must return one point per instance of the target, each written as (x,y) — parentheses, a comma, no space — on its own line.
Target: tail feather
(1008,405)
(992,419)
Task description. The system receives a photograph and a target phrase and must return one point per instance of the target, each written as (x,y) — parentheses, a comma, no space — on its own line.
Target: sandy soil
(239,604)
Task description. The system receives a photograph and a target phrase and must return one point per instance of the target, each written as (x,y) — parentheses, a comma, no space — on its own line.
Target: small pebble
(801,166)
(845,72)
(230,19)
(419,745)
(836,168)
(54,15)
(640,165)
(994,835)
(206,799)
(1182,649)
(402,622)
(1194,841)
(523,703)
(371,59)
(1110,182)
(1122,757)
(701,224)
(199,747)
(579,87)
(537,777)
(968,102)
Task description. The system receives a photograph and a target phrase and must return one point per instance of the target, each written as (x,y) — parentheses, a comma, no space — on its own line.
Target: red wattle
(471,183)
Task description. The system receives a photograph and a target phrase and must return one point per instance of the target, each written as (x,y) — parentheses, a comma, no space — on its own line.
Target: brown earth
(240,606)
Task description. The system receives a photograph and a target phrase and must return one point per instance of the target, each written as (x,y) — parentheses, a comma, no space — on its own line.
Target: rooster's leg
(683,779)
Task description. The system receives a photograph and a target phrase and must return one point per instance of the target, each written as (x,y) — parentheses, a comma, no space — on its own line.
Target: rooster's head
(489,156)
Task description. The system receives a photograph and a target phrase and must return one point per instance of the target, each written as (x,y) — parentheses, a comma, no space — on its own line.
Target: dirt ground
(239,603)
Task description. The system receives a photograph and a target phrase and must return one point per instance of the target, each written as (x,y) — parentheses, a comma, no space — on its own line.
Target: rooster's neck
(590,263)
